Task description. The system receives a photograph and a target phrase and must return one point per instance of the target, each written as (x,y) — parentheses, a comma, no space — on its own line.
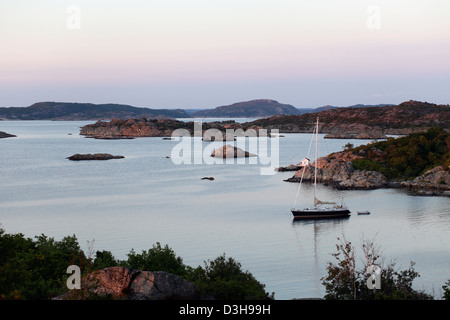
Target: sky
(208,53)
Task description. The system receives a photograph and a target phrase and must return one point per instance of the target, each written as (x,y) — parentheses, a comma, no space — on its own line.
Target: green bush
(223,278)
(33,269)
(157,259)
(104,259)
(406,157)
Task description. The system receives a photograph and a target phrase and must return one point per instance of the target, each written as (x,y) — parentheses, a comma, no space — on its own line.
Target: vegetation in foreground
(346,281)
(35,269)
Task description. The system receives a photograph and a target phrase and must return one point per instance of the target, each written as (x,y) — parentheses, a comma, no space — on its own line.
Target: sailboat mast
(315,166)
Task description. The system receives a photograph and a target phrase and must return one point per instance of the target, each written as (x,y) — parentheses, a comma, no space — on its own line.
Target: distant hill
(249,109)
(328,107)
(405,118)
(85,111)
(192,111)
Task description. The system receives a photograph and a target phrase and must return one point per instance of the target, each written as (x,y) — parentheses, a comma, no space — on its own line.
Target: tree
(104,259)
(348,146)
(346,282)
(33,269)
(223,278)
(157,258)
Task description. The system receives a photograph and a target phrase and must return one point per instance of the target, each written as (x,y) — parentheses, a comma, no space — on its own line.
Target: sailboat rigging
(319,209)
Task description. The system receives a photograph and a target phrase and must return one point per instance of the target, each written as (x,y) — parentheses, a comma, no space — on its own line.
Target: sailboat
(320,209)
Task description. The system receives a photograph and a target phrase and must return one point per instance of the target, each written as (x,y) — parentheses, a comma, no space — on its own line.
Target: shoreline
(408,186)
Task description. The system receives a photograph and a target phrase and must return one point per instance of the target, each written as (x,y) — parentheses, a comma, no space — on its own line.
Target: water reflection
(318,224)
(318,227)
(315,239)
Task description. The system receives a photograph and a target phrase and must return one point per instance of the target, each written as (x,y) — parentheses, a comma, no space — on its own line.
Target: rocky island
(419,162)
(229,151)
(95,156)
(6,135)
(338,123)
(117,128)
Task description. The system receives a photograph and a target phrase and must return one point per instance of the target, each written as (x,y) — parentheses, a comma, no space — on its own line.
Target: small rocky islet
(95,156)
(6,135)
(229,151)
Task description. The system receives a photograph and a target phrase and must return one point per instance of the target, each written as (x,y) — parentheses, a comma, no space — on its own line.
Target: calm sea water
(146,198)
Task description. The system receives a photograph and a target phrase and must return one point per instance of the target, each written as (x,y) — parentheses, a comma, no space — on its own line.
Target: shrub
(406,157)
(157,258)
(223,278)
(33,269)
(104,259)
(346,282)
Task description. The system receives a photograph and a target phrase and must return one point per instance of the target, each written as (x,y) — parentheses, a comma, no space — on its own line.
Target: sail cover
(318,202)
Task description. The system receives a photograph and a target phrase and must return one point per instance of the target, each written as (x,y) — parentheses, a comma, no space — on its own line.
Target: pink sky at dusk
(201,54)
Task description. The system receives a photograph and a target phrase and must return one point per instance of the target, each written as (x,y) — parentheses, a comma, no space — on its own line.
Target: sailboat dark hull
(320,213)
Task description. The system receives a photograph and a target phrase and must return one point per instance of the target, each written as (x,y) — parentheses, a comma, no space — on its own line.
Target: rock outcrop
(435,176)
(95,156)
(130,284)
(361,179)
(6,135)
(336,170)
(291,167)
(228,151)
(433,182)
